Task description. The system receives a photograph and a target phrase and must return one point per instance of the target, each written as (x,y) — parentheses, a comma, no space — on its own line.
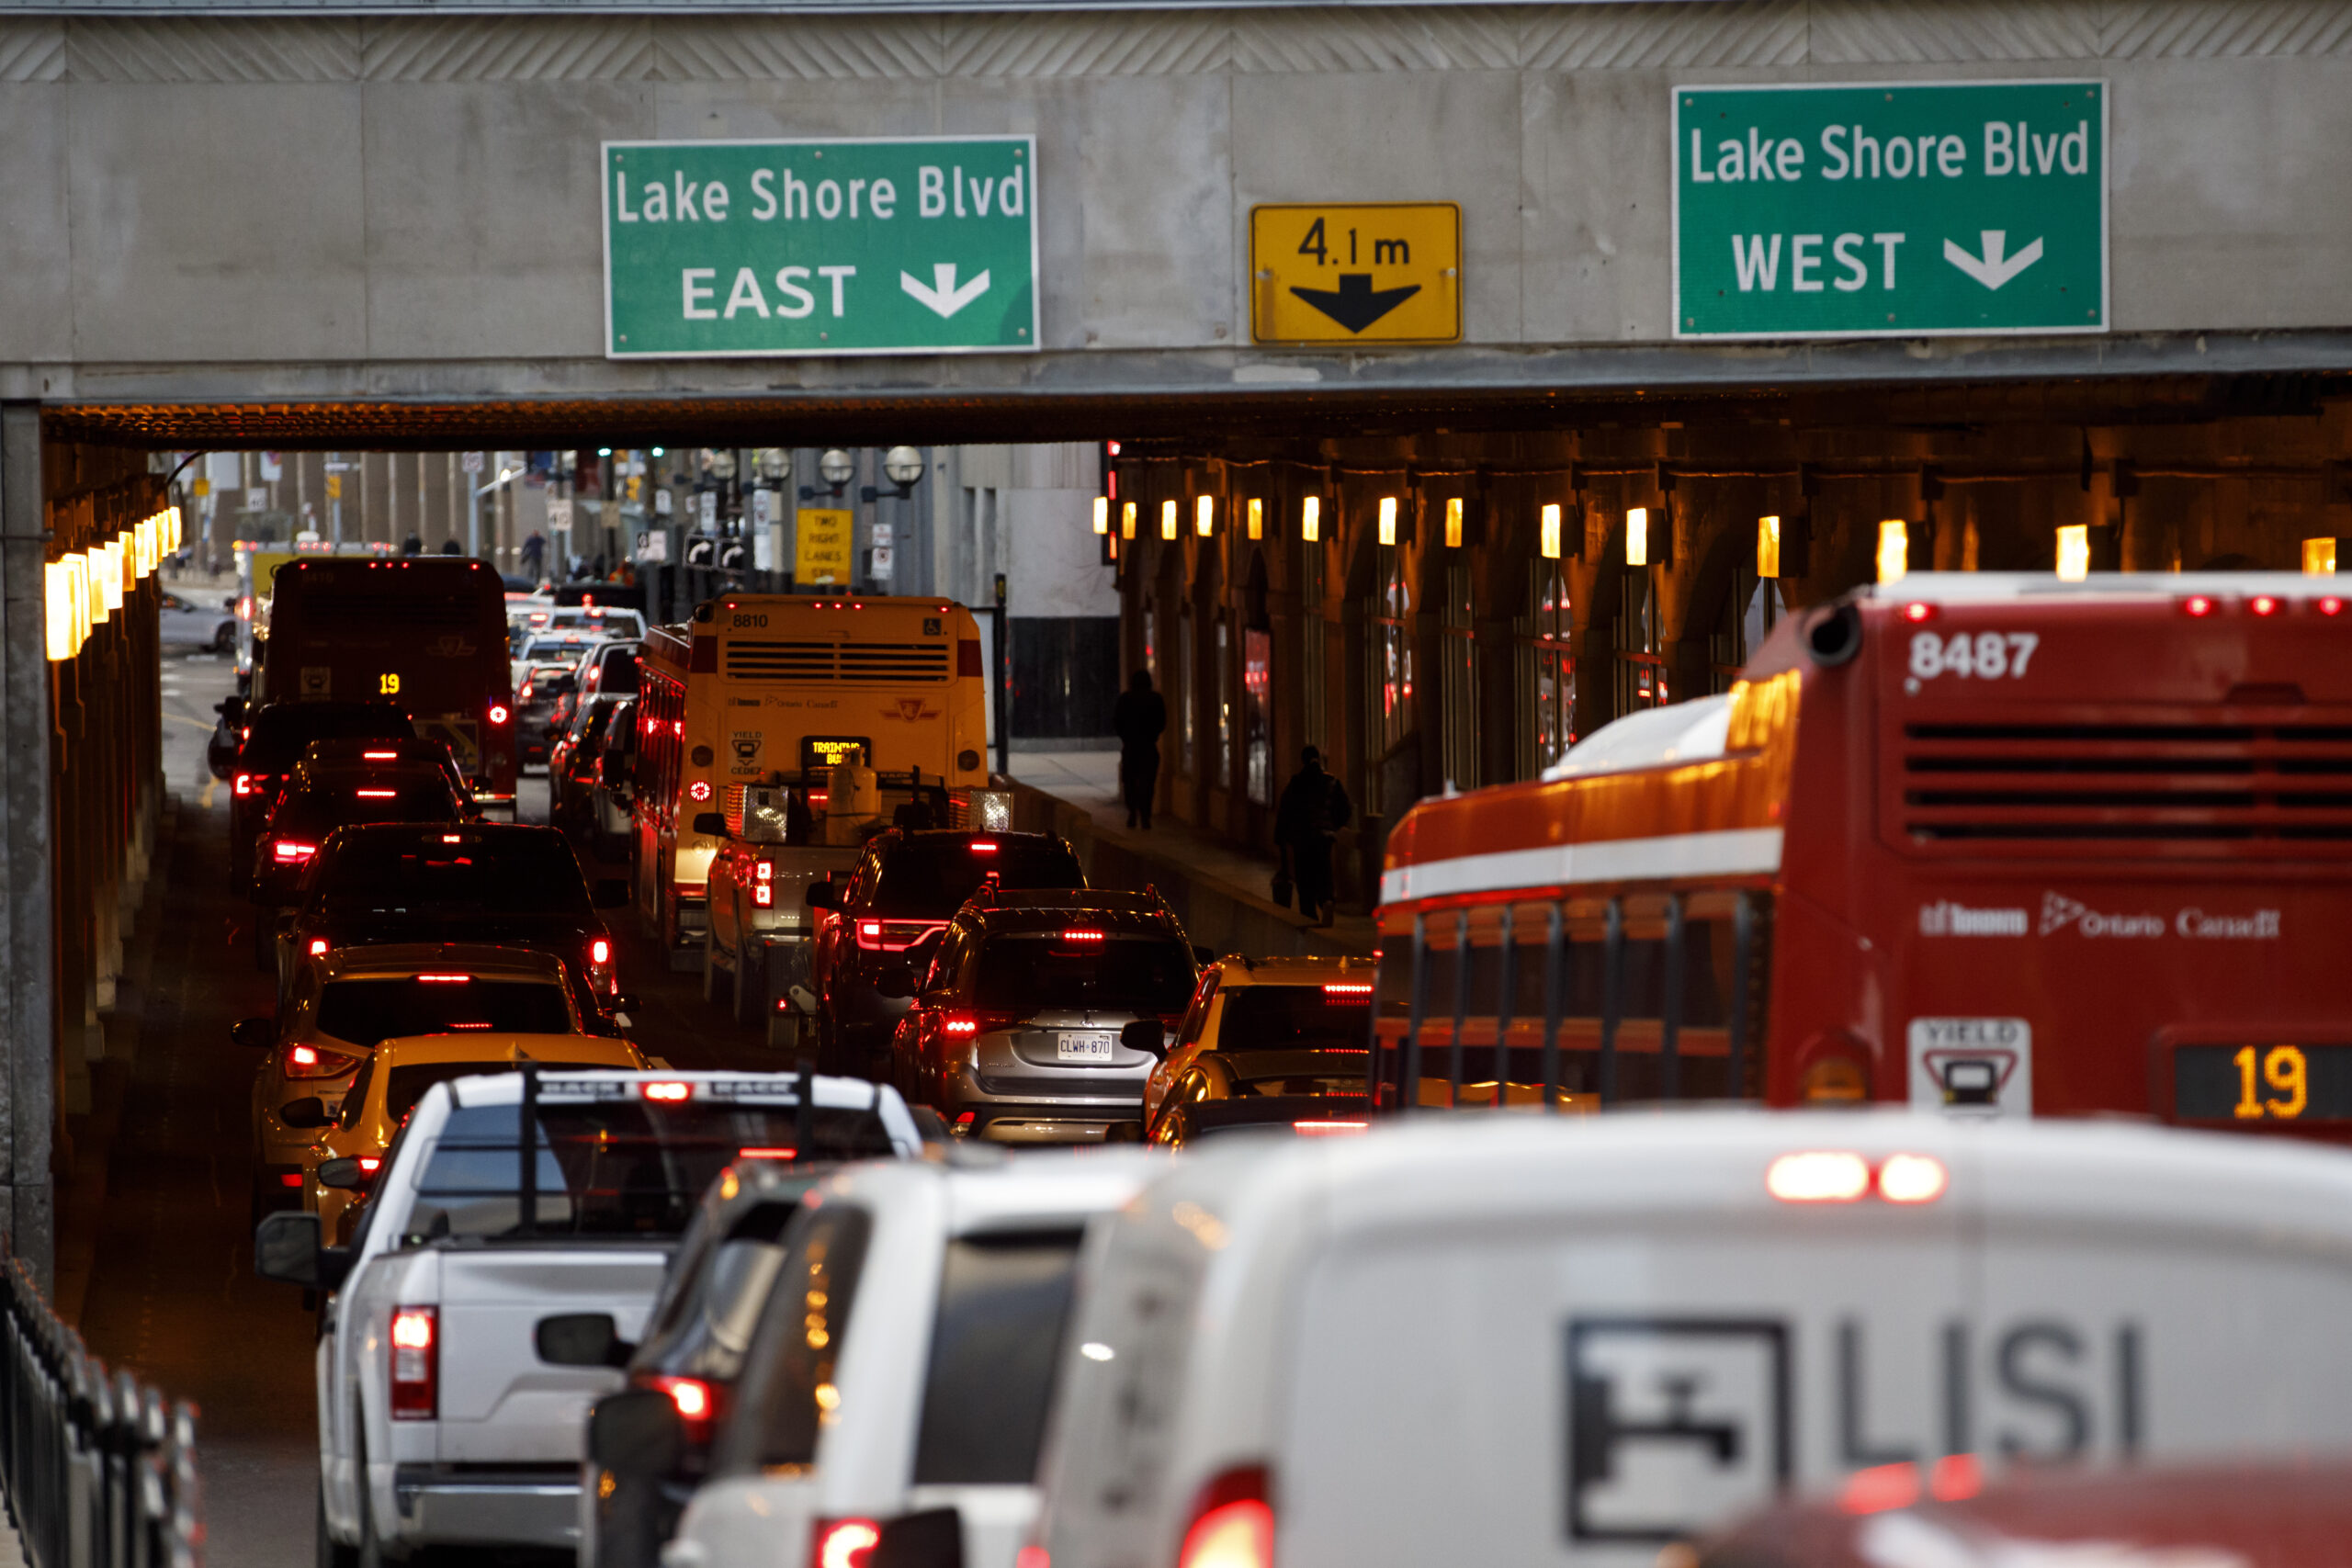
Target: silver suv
(1020,1031)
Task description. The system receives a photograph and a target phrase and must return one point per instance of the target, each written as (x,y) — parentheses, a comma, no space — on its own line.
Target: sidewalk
(1219,892)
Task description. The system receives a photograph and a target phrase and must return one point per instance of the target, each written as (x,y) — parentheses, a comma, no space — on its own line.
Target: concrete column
(27,1001)
(376,485)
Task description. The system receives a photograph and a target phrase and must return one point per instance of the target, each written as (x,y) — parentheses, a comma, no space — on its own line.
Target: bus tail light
(417,1364)
(1232,1524)
(2263,604)
(698,791)
(2198,605)
(2328,604)
(498,714)
(1918,610)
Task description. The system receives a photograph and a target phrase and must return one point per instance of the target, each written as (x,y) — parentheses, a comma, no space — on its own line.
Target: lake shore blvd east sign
(868,245)
(1891,210)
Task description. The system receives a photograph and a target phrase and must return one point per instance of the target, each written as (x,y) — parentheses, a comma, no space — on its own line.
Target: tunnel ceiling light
(1893,550)
(59,620)
(902,465)
(837,467)
(1387,519)
(1310,519)
(1101,514)
(2319,556)
(1204,516)
(1167,519)
(1767,547)
(1256,515)
(1127,520)
(110,574)
(1452,522)
(1549,542)
(1637,537)
(2074,552)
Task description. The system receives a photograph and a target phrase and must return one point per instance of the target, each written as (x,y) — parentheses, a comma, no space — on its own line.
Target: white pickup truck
(507,1201)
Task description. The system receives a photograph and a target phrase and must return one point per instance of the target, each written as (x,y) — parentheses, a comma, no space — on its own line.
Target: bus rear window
(1003,1302)
(1034,971)
(933,877)
(617,1168)
(366,1013)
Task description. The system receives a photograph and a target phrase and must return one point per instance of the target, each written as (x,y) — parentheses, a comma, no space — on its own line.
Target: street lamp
(904,465)
(721,464)
(774,465)
(837,467)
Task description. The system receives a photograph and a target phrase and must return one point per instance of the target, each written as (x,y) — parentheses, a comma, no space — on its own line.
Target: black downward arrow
(1355,304)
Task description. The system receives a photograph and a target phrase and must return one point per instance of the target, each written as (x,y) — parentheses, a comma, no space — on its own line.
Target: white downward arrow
(946,299)
(1992,271)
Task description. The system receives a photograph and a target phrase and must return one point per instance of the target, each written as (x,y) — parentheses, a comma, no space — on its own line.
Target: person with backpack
(1313,808)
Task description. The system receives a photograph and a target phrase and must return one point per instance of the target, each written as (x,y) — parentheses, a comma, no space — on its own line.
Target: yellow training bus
(778,689)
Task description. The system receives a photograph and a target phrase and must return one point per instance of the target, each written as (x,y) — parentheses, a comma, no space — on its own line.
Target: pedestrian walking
(1139,721)
(534,555)
(1313,808)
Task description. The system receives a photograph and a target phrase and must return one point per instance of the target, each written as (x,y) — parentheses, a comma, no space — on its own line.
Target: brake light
(376,794)
(2199,605)
(380,756)
(2263,604)
(1081,936)
(1233,1524)
(288,853)
(697,1403)
(895,936)
(699,790)
(2330,605)
(525,694)
(446,979)
(244,785)
(1918,610)
(982,847)
(600,952)
(291,1178)
(370,1164)
(498,714)
(845,1543)
(763,872)
(959,1023)
(763,895)
(767,1154)
(1327,1129)
(1347,988)
(670,1093)
(1912,1178)
(417,1364)
(452,838)
(1838,1176)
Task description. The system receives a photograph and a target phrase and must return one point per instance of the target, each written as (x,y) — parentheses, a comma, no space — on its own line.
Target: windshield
(1002,1304)
(614,1168)
(1034,971)
(1277,1018)
(506,871)
(366,1013)
(933,877)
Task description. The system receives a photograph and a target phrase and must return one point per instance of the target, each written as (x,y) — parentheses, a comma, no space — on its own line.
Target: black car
(701,1325)
(883,923)
(402,749)
(320,798)
(272,739)
(1022,1033)
(471,882)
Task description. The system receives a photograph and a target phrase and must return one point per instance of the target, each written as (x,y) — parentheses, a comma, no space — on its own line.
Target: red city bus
(1982,843)
(428,633)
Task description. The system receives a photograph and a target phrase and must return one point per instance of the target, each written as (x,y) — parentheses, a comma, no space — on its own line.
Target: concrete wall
(408,206)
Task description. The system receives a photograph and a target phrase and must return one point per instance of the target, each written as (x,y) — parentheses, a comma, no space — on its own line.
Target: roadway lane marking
(205,800)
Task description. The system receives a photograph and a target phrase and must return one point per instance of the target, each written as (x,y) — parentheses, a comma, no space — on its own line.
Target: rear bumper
(488,1506)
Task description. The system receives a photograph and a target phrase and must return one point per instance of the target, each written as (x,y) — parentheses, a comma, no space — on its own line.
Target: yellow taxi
(395,1077)
(1306,1022)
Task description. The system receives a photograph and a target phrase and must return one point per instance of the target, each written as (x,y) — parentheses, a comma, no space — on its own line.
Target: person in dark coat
(1313,808)
(1139,721)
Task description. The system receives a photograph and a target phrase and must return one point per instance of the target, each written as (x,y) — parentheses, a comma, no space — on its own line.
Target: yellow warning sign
(1373,272)
(821,545)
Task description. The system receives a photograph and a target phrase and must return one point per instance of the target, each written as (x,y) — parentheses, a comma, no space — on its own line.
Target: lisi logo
(1673,1423)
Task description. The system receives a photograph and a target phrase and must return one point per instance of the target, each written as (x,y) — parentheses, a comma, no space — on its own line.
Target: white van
(1524,1339)
(895,1393)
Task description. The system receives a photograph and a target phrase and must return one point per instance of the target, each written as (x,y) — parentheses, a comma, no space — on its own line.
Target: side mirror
(305,1113)
(611,893)
(580,1339)
(231,708)
(825,895)
(710,822)
(343,1174)
(286,1249)
(932,1539)
(637,1433)
(254,1033)
(1146,1035)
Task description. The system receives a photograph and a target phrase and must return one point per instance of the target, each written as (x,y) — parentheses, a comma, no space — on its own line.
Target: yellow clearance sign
(822,547)
(1374,272)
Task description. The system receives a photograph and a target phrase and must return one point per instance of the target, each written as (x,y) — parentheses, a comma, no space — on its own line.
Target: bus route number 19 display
(2262,1083)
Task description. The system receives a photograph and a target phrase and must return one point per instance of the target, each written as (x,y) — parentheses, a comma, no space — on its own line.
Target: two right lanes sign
(1909,209)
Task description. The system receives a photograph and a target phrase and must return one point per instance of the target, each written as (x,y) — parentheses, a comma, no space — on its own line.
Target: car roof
(1050,908)
(338,770)
(495,1046)
(1238,970)
(474,831)
(830,1093)
(397,960)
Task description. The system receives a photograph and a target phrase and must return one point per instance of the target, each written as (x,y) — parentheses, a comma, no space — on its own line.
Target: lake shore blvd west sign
(742,248)
(1891,210)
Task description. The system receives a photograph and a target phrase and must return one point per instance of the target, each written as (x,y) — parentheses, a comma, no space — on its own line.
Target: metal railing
(99,1472)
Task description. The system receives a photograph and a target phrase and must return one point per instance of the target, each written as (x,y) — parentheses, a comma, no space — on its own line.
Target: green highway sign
(1898,210)
(906,245)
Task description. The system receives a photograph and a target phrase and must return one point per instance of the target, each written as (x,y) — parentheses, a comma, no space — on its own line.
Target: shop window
(1187,730)
(1223,704)
(1460,651)
(1547,673)
(1312,648)
(1257,713)
(1391,650)
(1638,643)
(1751,611)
